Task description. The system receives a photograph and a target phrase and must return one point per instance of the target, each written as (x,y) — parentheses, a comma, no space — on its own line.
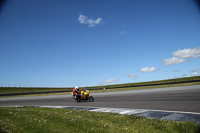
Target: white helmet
(76,88)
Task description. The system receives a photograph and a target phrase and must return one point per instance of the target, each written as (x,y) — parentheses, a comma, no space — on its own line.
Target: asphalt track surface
(186,99)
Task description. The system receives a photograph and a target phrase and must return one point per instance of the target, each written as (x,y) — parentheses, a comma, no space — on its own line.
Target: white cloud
(187,53)
(90,22)
(175,77)
(185,74)
(109,81)
(180,55)
(196,70)
(86,35)
(173,61)
(177,70)
(147,69)
(195,73)
(133,76)
(123,32)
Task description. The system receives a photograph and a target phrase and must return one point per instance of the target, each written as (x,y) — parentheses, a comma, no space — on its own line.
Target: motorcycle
(83,95)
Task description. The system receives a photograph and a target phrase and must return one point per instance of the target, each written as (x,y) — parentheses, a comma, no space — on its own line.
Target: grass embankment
(146,87)
(152,83)
(29,89)
(110,88)
(32,119)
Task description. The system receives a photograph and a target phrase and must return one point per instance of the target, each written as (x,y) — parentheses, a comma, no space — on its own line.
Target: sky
(67,43)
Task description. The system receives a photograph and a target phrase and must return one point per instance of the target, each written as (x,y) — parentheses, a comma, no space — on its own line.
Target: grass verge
(146,87)
(112,90)
(121,87)
(29,89)
(33,119)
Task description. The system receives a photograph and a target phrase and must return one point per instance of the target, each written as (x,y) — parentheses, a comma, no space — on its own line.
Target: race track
(185,99)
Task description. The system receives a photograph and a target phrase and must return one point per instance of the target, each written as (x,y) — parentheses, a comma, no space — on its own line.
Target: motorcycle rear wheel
(78,100)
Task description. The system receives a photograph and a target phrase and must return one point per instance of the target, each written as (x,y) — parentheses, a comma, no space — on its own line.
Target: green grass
(168,81)
(145,87)
(111,88)
(43,120)
(29,89)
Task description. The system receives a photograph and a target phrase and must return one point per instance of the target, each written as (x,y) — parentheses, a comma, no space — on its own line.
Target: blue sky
(66,43)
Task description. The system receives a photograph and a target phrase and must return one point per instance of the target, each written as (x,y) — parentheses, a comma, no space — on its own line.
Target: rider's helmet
(76,88)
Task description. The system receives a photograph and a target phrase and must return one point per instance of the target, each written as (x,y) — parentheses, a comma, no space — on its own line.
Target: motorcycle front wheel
(91,99)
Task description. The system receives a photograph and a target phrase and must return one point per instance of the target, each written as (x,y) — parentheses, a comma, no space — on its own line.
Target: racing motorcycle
(83,95)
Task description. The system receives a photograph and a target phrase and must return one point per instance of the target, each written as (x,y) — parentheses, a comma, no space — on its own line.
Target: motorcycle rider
(76,91)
